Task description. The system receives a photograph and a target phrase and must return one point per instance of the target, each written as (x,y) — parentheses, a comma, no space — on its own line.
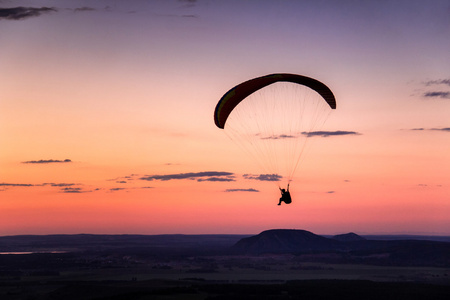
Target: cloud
(437,82)
(330,133)
(428,186)
(433,93)
(227,179)
(5,186)
(76,190)
(71,190)
(60,184)
(278,137)
(445,129)
(17,184)
(263,177)
(199,176)
(242,190)
(189,16)
(63,187)
(46,161)
(84,8)
(188,3)
(117,189)
(437,94)
(41,184)
(310,134)
(441,129)
(121,179)
(20,13)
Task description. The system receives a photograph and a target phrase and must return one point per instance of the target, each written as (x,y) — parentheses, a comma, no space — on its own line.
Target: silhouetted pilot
(285,196)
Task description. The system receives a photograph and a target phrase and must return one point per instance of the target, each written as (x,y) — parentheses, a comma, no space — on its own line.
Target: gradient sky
(106,116)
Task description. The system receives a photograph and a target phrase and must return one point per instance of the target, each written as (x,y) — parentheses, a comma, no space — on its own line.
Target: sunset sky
(106,116)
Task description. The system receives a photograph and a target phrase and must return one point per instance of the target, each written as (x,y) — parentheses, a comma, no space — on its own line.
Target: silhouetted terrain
(170,243)
(347,248)
(275,264)
(348,237)
(284,241)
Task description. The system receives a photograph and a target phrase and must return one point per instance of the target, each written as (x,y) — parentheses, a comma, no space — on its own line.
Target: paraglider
(285,196)
(271,117)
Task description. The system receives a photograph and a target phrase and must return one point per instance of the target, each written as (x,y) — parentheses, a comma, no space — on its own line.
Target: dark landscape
(275,264)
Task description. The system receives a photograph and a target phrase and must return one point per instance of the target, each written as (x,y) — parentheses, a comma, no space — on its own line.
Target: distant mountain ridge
(305,245)
(284,241)
(345,248)
(348,237)
(84,242)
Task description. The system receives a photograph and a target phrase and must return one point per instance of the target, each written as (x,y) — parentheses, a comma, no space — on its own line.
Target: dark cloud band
(16,184)
(443,95)
(279,137)
(438,82)
(446,129)
(46,161)
(330,133)
(199,176)
(263,177)
(242,190)
(73,188)
(20,13)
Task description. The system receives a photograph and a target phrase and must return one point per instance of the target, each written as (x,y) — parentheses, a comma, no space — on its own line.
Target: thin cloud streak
(116,189)
(445,129)
(226,179)
(72,190)
(442,93)
(199,176)
(20,13)
(263,177)
(62,187)
(278,137)
(46,161)
(242,190)
(17,184)
(438,82)
(311,134)
(83,9)
(437,94)
(61,184)
(188,3)
(330,133)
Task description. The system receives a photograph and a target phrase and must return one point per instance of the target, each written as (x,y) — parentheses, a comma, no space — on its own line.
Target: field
(206,277)
(249,269)
(201,267)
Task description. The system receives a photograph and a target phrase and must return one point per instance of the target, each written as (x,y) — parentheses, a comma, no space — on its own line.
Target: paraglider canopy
(271,118)
(234,96)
